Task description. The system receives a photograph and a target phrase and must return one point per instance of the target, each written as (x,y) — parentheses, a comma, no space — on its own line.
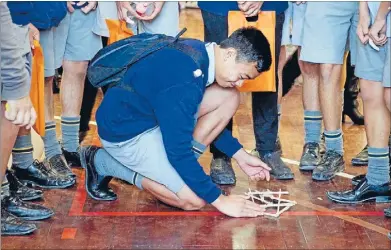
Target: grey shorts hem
(320,56)
(369,76)
(138,181)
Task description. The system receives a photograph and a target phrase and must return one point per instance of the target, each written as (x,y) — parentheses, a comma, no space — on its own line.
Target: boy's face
(230,73)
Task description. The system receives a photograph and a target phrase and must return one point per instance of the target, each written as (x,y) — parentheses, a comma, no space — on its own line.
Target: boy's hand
(21,112)
(33,35)
(237,206)
(252,166)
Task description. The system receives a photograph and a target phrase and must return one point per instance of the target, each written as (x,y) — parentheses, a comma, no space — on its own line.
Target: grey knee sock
(312,125)
(334,141)
(106,165)
(22,153)
(378,166)
(52,147)
(70,133)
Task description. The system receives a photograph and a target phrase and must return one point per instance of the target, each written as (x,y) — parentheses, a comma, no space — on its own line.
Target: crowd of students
(167,114)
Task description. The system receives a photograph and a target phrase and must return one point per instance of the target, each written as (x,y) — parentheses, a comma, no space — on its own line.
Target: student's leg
(81,46)
(216,30)
(372,72)
(265,119)
(9,131)
(324,45)
(141,160)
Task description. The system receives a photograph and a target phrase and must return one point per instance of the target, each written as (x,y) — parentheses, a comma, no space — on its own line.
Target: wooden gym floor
(137,220)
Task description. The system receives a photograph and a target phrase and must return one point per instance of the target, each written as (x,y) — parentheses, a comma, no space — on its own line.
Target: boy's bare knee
(233,98)
(310,69)
(49,79)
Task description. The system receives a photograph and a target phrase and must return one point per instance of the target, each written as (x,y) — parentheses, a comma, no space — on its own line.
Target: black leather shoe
(12,225)
(221,171)
(279,170)
(82,135)
(96,185)
(37,174)
(73,158)
(350,104)
(330,164)
(387,212)
(25,210)
(60,165)
(20,190)
(363,192)
(311,157)
(357,179)
(362,158)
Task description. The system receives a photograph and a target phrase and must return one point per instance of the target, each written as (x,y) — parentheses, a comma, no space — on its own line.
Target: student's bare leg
(9,131)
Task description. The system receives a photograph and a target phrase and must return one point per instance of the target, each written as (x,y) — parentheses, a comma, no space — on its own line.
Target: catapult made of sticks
(271,200)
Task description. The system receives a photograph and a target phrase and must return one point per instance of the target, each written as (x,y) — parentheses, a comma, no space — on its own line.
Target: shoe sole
(37,218)
(32,198)
(307,167)
(282,178)
(379,199)
(84,166)
(33,185)
(341,168)
(19,233)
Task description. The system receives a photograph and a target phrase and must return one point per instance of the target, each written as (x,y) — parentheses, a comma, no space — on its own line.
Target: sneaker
(279,171)
(221,171)
(278,147)
(362,158)
(60,165)
(322,145)
(330,164)
(311,157)
(387,212)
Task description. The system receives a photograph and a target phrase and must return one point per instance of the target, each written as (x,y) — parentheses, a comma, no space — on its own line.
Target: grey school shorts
(72,40)
(167,22)
(370,63)
(326,30)
(145,154)
(387,66)
(294,15)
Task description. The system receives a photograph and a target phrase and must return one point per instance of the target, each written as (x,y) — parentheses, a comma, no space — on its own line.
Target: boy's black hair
(251,46)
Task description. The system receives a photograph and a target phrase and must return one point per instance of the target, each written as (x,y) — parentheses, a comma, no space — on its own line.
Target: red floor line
(216,213)
(81,195)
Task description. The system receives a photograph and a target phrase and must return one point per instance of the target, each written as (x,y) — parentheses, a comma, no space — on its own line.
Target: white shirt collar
(211,54)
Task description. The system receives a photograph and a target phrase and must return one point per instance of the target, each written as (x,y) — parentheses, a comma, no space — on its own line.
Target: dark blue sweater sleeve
(227,144)
(175,109)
